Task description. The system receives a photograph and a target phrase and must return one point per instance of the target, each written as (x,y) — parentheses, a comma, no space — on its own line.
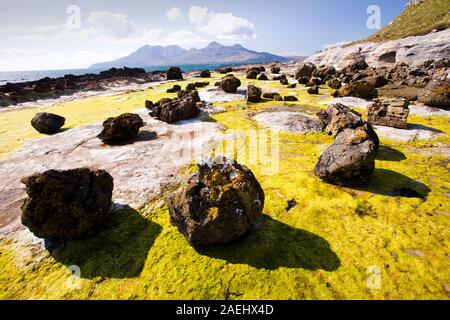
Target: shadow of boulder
(390,183)
(118,251)
(389,154)
(273,244)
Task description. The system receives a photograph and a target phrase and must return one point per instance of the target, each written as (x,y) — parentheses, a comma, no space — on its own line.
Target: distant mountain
(214,53)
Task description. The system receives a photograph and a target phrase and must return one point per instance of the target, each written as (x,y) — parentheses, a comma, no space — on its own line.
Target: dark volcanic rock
(290,98)
(174,89)
(303,80)
(252,73)
(121,129)
(190,87)
(349,161)
(313,90)
(314,81)
(324,72)
(337,117)
(359,89)
(284,81)
(391,113)
(273,96)
(205,74)
(292,86)
(253,93)
(230,84)
(377,81)
(305,70)
(263,77)
(334,83)
(275,69)
(182,108)
(47,123)
(357,65)
(216,205)
(436,94)
(71,204)
(225,69)
(174,73)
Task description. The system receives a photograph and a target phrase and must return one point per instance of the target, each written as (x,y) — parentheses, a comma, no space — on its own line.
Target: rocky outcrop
(391,113)
(67,205)
(253,93)
(230,84)
(217,204)
(186,106)
(121,129)
(174,73)
(413,51)
(47,123)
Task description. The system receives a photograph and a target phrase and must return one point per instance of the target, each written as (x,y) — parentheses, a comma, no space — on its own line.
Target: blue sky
(39,35)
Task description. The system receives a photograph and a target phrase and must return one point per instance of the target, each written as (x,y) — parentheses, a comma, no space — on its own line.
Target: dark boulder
(436,94)
(205,74)
(47,123)
(279,77)
(305,70)
(174,73)
(303,80)
(217,204)
(121,129)
(263,77)
(313,90)
(273,95)
(186,106)
(190,87)
(225,69)
(324,72)
(284,81)
(174,89)
(275,69)
(359,89)
(253,93)
(290,98)
(356,65)
(334,83)
(314,81)
(230,84)
(72,204)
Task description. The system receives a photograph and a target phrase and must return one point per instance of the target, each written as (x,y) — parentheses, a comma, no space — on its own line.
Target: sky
(61,34)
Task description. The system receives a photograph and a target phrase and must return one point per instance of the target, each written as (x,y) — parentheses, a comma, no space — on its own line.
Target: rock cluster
(123,128)
(389,112)
(230,84)
(350,160)
(67,205)
(185,106)
(217,204)
(47,123)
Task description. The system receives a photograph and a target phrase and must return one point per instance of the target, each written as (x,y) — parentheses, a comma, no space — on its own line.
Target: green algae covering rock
(217,204)
(70,204)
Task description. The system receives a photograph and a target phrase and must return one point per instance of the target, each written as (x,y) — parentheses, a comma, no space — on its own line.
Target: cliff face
(420,33)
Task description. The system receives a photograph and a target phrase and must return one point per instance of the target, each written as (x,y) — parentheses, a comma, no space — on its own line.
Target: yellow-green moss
(320,249)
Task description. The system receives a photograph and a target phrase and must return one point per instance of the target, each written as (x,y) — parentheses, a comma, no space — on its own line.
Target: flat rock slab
(411,133)
(351,102)
(218,95)
(295,122)
(139,169)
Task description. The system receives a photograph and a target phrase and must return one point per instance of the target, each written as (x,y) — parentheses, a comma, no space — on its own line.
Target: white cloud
(224,26)
(115,25)
(174,14)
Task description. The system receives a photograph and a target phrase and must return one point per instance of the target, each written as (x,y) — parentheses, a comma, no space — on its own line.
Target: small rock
(290,98)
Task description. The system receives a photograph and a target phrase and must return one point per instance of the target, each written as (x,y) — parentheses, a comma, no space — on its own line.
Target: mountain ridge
(213,53)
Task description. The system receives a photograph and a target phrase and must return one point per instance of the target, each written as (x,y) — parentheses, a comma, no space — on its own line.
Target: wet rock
(290,98)
(71,204)
(186,106)
(174,73)
(174,89)
(334,83)
(253,93)
(205,74)
(217,204)
(230,84)
(389,112)
(337,117)
(305,70)
(313,90)
(47,123)
(436,94)
(121,129)
(359,89)
(349,161)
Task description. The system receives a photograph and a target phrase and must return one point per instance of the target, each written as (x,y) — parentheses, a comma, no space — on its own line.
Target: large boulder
(389,112)
(436,93)
(67,205)
(358,64)
(305,70)
(253,93)
(174,73)
(217,204)
(230,84)
(205,74)
(47,123)
(185,107)
(324,72)
(121,129)
(359,89)
(349,161)
(337,117)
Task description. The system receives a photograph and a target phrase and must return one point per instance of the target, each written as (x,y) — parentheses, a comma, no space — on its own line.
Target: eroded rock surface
(295,122)
(389,112)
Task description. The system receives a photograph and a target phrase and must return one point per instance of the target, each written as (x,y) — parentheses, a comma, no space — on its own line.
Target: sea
(24,76)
